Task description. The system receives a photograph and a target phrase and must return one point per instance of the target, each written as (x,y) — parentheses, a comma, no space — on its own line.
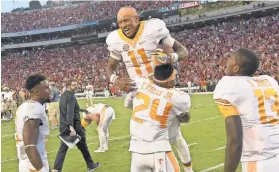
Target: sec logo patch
(126,47)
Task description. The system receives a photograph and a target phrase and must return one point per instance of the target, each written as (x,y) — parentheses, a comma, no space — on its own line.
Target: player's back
(154,108)
(31,110)
(96,108)
(256,100)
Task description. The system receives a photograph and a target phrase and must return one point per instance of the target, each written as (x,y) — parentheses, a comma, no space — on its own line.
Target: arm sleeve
(162,33)
(226,98)
(34,112)
(70,110)
(114,54)
(184,103)
(111,47)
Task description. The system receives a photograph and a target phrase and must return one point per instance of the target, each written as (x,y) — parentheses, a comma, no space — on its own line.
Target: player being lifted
(250,106)
(155,105)
(134,42)
(102,114)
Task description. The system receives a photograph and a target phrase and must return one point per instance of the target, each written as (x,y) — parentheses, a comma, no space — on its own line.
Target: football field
(205,135)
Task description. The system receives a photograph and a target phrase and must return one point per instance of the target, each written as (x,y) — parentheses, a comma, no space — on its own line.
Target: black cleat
(95,166)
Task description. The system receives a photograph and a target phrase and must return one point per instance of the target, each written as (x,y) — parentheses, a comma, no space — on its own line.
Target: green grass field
(205,134)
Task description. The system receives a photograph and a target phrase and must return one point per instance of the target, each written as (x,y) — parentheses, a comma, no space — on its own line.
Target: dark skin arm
(122,83)
(180,50)
(184,118)
(111,67)
(234,143)
(30,137)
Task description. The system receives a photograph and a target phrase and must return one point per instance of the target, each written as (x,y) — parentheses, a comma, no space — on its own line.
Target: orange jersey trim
(227,110)
(133,41)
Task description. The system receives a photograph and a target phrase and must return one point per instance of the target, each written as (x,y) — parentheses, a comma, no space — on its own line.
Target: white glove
(73,131)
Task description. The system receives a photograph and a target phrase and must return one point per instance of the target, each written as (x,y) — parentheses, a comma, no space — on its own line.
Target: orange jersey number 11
(144,58)
(153,112)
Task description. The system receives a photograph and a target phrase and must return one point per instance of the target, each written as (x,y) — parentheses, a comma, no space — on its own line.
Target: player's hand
(160,58)
(73,131)
(126,84)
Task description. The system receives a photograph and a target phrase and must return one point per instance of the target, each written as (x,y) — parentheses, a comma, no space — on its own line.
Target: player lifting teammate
(134,42)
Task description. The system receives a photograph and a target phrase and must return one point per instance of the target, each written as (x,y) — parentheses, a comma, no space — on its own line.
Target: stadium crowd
(208,47)
(63,16)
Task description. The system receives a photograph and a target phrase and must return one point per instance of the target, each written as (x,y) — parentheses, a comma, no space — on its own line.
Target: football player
(155,105)
(32,126)
(134,42)
(102,114)
(250,106)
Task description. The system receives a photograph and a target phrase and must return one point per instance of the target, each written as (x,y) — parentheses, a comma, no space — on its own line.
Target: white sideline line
(212,118)
(220,148)
(192,144)
(212,168)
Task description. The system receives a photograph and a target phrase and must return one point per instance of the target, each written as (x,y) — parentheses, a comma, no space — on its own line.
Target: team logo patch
(126,47)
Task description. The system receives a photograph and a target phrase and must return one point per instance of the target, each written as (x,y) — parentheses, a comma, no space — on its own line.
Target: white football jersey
(31,110)
(96,109)
(154,109)
(136,52)
(257,102)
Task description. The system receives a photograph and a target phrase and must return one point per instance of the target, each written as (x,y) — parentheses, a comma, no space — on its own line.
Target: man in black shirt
(70,120)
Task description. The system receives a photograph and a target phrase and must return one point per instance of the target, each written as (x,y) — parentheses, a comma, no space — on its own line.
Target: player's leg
(102,140)
(183,151)
(102,135)
(142,162)
(171,163)
(105,121)
(180,144)
(57,113)
(51,114)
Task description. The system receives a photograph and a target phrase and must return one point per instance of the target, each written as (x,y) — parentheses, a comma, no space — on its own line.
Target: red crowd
(75,14)
(209,48)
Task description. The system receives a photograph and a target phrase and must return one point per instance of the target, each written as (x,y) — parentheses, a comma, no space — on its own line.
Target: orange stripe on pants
(173,161)
(103,113)
(252,167)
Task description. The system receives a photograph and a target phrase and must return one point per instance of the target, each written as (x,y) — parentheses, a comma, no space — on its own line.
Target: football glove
(160,58)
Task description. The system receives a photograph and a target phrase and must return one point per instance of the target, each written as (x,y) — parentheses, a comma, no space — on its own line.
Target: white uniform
(256,101)
(136,52)
(106,116)
(154,109)
(89,92)
(31,110)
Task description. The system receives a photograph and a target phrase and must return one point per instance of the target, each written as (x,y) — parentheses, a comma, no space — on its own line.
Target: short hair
(70,81)
(33,80)
(163,72)
(248,61)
